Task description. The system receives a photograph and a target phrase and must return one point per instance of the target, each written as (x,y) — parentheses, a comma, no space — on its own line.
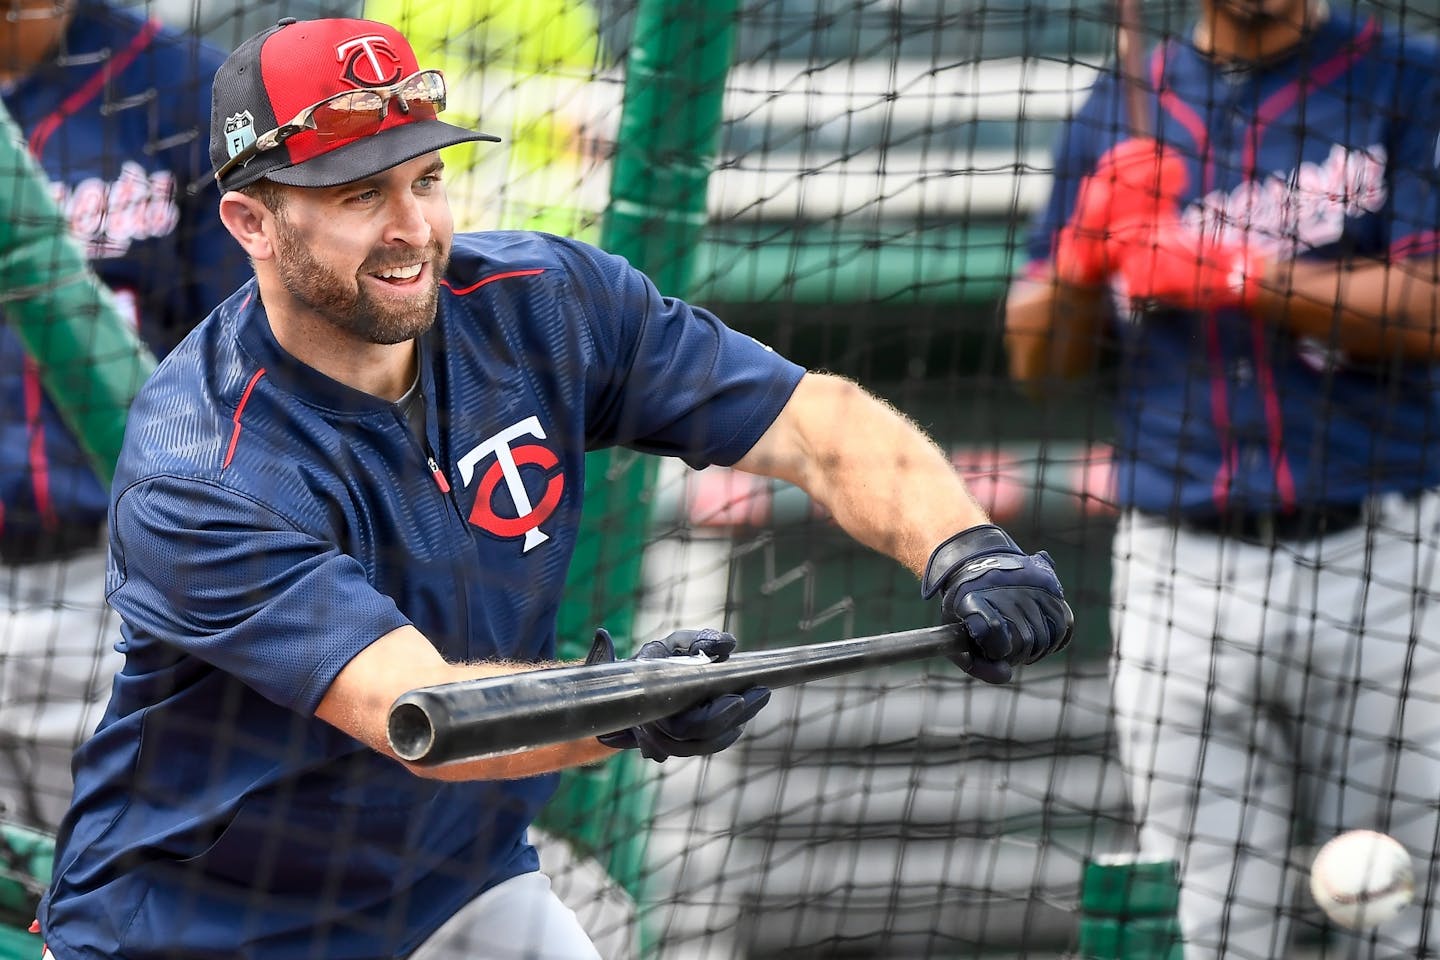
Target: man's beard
(344,301)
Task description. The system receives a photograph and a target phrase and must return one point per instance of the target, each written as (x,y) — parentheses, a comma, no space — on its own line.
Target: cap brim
(373,154)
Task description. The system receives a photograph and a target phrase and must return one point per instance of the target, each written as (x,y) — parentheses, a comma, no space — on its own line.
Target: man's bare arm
(886,483)
(891,488)
(358,702)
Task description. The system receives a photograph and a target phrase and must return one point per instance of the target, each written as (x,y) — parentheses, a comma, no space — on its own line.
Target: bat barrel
(523,711)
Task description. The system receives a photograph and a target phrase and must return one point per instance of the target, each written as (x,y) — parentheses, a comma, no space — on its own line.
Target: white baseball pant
(57,661)
(519,919)
(1260,690)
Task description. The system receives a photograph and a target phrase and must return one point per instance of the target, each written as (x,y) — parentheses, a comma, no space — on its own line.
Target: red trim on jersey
(1275,106)
(1289,95)
(92,87)
(1415,245)
(1183,113)
(39,462)
(499,276)
(1274,419)
(1220,413)
(240,412)
(1191,120)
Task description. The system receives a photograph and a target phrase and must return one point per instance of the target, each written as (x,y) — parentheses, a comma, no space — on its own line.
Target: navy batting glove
(704,729)
(1011,604)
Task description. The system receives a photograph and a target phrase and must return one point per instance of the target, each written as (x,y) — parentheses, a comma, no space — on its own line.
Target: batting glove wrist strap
(703,729)
(1011,605)
(978,541)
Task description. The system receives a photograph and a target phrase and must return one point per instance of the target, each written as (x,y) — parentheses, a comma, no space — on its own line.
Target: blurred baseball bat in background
(1130,52)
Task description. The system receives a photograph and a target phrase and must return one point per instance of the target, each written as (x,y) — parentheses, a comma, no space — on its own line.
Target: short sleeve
(221,577)
(1076,152)
(670,378)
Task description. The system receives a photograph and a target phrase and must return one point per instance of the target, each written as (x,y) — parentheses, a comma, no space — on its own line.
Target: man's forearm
(889,486)
(358,702)
(516,766)
(1052,331)
(1372,310)
(886,483)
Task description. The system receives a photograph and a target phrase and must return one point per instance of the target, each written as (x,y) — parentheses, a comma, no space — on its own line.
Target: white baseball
(1362,879)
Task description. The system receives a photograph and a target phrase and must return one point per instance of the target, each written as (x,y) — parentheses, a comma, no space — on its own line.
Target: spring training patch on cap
(239,132)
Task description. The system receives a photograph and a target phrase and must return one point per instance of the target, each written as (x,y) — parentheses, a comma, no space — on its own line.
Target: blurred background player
(1275,566)
(524,68)
(115,110)
(362,475)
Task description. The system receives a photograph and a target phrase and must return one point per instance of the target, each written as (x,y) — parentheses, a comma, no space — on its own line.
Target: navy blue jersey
(1327,154)
(119,122)
(268,523)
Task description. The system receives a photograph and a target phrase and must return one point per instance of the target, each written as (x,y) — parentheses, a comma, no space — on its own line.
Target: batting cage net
(1159,281)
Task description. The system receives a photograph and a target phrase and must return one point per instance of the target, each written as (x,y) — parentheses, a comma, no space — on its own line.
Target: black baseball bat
(522,711)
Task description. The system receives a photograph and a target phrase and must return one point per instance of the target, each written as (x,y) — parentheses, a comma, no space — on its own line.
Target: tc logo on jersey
(508,461)
(239,132)
(362,58)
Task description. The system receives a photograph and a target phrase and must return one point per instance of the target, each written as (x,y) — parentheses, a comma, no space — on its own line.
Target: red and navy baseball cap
(277,73)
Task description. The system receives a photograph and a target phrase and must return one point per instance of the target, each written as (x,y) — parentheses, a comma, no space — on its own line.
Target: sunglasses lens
(428,86)
(353,115)
(361,112)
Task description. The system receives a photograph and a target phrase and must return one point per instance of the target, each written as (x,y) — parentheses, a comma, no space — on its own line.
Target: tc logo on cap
(362,58)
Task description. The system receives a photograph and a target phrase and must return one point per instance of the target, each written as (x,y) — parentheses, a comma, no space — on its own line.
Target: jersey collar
(303,380)
(1323,42)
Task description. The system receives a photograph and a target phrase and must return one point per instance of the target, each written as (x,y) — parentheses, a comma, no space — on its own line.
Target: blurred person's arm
(1371,310)
(1053,330)
(1381,308)
(1372,306)
(1054,325)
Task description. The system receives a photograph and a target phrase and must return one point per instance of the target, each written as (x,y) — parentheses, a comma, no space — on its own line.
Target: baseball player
(114,109)
(360,475)
(1272,252)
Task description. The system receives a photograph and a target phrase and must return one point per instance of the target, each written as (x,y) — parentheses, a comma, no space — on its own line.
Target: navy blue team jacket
(119,122)
(1328,153)
(268,523)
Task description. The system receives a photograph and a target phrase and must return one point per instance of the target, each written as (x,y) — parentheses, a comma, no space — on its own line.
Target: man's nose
(407,223)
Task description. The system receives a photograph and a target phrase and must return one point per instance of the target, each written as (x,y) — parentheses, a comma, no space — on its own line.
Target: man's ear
(245,217)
